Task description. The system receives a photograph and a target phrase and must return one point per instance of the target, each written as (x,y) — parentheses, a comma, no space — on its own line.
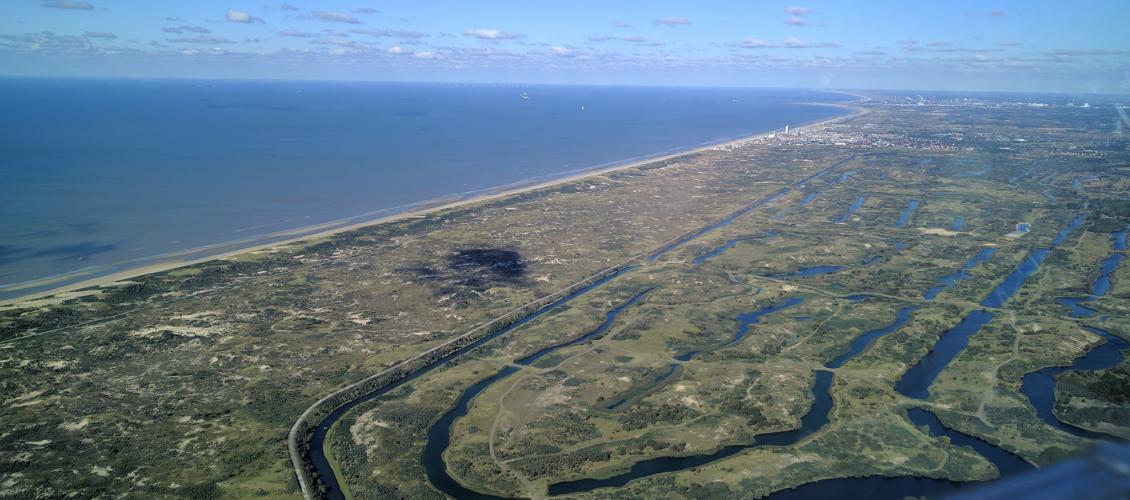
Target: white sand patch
(181,331)
(101,471)
(26,398)
(10,483)
(550,397)
(626,380)
(363,433)
(196,315)
(183,444)
(57,364)
(76,426)
(937,231)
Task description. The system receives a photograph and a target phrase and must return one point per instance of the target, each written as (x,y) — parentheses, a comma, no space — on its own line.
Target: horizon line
(544,84)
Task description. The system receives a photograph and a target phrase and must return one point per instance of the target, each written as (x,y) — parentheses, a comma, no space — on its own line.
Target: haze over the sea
(102,175)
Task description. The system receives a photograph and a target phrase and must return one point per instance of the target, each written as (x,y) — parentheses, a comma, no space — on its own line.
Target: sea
(103,175)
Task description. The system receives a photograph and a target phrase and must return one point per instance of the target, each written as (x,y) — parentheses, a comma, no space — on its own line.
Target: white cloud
(49,41)
(492,34)
(202,39)
(673,21)
(390,33)
(336,17)
(1084,52)
(68,4)
(627,38)
(754,43)
(791,42)
(338,42)
(239,16)
(295,34)
(398,50)
(185,29)
(798,16)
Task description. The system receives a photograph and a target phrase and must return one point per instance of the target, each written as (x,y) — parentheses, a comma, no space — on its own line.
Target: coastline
(314,232)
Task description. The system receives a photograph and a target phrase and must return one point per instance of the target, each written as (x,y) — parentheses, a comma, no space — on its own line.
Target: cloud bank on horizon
(965,44)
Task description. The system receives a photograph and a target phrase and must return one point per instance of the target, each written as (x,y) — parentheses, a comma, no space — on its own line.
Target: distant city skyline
(1081,47)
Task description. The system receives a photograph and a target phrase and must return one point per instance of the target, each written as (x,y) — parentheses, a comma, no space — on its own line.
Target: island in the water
(848,306)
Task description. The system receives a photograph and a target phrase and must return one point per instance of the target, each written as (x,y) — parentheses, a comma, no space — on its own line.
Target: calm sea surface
(102,175)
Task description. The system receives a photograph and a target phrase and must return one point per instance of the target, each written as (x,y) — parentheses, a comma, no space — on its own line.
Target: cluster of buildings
(841,135)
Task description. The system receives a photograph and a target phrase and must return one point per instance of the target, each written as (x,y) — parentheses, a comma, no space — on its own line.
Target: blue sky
(1081,46)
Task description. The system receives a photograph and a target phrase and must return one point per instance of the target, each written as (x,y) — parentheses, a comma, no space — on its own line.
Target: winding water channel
(883,488)
(915,382)
(746,320)
(950,280)
(1039,386)
(721,249)
(904,217)
(439,434)
(729,219)
(858,204)
(862,342)
(806,272)
(749,319)
(317,443)
(812,421)
(1101,285)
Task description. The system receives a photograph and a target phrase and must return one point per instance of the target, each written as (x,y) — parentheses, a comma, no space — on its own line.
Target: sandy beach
(312,233)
